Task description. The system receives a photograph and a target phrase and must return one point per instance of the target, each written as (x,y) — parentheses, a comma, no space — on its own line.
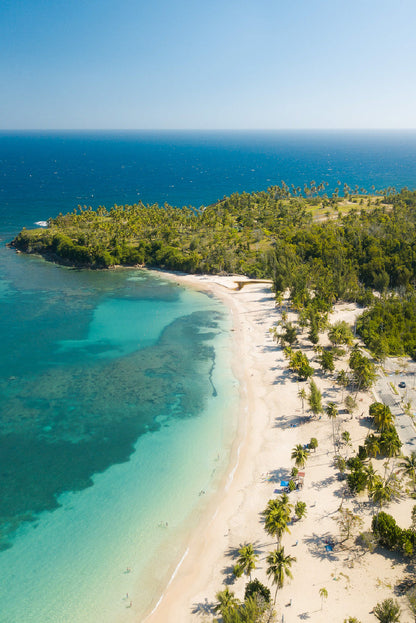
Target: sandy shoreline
(270,426)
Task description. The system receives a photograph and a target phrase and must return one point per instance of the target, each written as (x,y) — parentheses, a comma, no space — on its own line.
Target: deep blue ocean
(116,390)
(42,174)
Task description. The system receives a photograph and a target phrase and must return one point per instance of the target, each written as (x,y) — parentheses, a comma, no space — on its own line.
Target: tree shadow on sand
(279,474)
(284,377)
(321,546)
(204,607)
(280,420)
(323,484)
(366,422)
(287,421)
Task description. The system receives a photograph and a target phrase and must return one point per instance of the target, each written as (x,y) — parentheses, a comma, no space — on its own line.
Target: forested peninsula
(323,249)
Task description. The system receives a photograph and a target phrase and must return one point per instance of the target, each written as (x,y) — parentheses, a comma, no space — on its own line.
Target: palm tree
(372,445)
(332,412)
(340,333)
(346,438)
(279,567)
(381,492)
(247,559)
(343,380)
(411,601)
(323,594)
(373,479)
(408,467)
(383,417)
(300,455)
(313,444)
(390,443)
(280,502)
(226,599)
(300,509)
(364,371)
(315,398)
(276,520)
(302,396)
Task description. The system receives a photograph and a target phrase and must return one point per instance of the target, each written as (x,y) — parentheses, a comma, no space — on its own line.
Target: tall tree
(390,443)
(279,565)
(408,467)
(372,445)
(382,492)
(348,522)
(247,558)
(300,509)
(315,398)
(326,360)
(332,413)
(277,516)
(373,479)
(363,369)
(225,600)
(299,363)
(383,417)
(323,594)
(340,333)
(342,380)
(302,396)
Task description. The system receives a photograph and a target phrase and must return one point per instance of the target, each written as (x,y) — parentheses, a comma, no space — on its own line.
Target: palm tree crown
(408,466)
(247,558)
(276,521)
(226,599)
(299,455)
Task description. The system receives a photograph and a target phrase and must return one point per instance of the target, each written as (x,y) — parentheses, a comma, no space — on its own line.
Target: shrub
(388,611)
(313,444)
(385,529)
(255,588)
(357,481)
(367,540)
(300,509)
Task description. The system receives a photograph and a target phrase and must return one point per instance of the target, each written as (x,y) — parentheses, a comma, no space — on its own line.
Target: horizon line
(318,129)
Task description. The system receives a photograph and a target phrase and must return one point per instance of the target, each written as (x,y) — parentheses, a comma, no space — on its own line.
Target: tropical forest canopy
(321,248)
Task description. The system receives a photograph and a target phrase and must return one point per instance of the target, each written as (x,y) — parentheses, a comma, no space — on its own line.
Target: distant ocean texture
(118,402)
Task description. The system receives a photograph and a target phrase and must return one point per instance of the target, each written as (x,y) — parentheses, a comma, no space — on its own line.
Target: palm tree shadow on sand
(318,546)
(204,608)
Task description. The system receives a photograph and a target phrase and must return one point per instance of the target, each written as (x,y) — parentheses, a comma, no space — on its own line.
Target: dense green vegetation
(234,235)
(391,536)
(388,327)
(356,245)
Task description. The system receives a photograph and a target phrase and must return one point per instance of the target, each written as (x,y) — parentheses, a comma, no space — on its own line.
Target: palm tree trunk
(344,492)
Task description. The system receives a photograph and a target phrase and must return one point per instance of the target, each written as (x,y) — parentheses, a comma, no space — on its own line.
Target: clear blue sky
(207,64)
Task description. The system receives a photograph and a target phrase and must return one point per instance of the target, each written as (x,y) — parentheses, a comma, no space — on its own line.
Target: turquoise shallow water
(118,409)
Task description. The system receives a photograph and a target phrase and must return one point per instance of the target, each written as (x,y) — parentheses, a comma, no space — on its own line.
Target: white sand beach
(271,424)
